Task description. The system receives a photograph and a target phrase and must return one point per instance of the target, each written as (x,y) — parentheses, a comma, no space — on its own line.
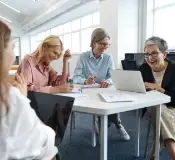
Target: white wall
(121,21)
(127,27)
(109,21)
(25,45)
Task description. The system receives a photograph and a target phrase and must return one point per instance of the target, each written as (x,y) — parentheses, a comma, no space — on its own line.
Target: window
(96,18)
(17,47)
(160,22)
(76,25)
(160,3)
(85,39)
(86,21)
(41,36)
(67,27)
(54,31)
(76,42)
(47,33)
(75,34)
(67,41)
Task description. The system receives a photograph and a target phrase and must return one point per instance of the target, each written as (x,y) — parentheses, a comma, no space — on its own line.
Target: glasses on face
(153,54)
(104,44)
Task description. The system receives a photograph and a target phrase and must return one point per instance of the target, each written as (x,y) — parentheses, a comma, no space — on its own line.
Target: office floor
(80,146)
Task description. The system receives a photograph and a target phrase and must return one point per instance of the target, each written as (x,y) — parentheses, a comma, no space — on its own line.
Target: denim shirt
(88,65)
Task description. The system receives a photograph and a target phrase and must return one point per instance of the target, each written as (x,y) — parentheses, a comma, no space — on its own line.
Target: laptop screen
(53,110)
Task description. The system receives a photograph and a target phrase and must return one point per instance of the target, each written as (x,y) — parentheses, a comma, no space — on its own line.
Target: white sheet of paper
(116,97)
(96,85)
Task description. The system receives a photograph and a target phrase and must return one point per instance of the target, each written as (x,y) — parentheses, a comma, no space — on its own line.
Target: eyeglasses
(152,54)
(104,44)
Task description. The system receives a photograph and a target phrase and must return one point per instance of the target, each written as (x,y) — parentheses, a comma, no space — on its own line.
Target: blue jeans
(113,118)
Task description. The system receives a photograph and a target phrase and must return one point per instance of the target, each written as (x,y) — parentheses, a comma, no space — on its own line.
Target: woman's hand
(90,80)
(21,83)
(65,88)
(154,86)
(67,55)
(104,84)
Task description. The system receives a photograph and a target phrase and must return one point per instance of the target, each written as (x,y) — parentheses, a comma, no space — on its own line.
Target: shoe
(123,134)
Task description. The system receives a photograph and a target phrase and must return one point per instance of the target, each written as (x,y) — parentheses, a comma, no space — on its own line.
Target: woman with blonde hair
(22,135)
(40,75)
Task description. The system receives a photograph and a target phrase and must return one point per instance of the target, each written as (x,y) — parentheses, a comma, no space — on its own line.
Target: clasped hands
(154,86)
(92,79)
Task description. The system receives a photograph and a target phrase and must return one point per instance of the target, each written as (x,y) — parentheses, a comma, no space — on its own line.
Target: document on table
(116,97)
(95,85)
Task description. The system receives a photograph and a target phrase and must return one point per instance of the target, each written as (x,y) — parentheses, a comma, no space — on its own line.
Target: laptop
(131,81)
(53,110)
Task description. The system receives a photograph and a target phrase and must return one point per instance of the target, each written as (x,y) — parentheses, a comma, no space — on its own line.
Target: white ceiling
(33,14)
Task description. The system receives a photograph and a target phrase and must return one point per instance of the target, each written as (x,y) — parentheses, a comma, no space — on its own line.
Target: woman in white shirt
(22,134)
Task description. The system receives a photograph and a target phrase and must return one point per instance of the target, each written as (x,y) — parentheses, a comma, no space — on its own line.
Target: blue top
(88,65)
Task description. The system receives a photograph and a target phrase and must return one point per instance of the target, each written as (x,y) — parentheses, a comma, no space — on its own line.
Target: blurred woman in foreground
(22,134)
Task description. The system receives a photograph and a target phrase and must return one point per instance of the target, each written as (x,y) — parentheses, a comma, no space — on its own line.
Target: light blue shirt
(88,65)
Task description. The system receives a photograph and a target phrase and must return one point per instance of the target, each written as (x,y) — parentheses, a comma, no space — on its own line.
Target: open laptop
(125,80)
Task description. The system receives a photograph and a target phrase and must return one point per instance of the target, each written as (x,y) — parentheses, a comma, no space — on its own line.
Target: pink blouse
(39,78)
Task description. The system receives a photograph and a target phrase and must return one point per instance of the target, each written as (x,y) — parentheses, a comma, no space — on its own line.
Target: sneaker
(123,134)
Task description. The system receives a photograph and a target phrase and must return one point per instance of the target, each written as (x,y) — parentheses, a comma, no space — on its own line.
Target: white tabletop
(90,102)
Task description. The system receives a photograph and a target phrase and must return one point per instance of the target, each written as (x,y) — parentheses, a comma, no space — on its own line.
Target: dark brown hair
(5,35)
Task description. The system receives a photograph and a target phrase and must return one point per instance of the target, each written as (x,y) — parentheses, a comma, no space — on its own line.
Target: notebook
(116,97)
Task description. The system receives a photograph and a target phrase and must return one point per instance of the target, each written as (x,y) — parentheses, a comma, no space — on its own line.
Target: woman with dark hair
(159,74)
(22,134)
(94,66)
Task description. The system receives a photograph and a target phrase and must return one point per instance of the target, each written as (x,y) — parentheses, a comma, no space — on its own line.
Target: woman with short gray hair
(94,66)
(159,74)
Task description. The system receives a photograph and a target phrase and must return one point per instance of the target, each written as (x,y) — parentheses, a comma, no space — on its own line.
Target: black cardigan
(168,82)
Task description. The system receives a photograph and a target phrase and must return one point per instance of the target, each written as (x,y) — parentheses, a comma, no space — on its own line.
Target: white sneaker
(123,134)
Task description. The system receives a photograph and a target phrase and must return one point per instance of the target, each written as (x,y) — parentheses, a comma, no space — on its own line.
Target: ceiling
(33,14)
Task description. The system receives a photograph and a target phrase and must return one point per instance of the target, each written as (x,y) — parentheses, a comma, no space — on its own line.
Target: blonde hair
(97,35)
(51,40)
(5,36)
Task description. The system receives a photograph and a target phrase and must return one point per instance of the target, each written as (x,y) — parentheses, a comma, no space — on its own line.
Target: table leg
(157,143)
(93,132)
(103,137)
(137,144)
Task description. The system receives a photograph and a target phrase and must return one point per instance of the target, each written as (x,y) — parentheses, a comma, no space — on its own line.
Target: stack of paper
(116,97)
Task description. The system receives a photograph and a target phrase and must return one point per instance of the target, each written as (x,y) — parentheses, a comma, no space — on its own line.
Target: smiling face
(154,57)
(101,46)
(50,53)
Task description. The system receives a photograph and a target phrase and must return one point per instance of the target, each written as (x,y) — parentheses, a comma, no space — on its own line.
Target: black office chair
(129,65)
(53,110)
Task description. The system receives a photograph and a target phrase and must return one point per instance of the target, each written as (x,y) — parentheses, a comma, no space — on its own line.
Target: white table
(94,105)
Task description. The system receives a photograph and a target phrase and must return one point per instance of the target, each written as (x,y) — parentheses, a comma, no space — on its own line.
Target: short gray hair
(160,42)
(98,34)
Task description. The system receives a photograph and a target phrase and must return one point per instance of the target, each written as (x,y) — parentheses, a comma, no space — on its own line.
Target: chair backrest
(171,57)
(129,65)
(53,110)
